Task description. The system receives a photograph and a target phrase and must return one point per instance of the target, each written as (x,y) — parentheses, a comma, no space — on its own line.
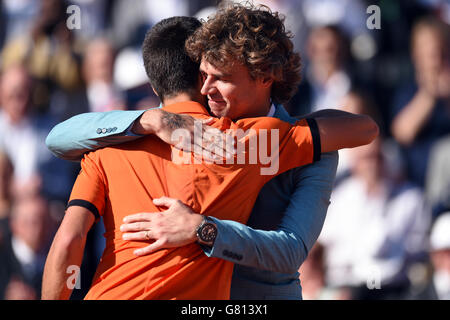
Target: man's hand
(194,135)
(174,227)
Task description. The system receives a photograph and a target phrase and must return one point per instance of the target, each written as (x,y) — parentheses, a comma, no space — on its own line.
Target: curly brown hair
(254,37)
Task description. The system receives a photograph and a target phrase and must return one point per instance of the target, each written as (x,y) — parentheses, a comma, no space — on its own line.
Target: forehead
(231,70)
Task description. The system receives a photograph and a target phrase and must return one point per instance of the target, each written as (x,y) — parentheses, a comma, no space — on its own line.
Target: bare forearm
(146,123)
(56,283)
(154,120)
(412,118)
(346,131)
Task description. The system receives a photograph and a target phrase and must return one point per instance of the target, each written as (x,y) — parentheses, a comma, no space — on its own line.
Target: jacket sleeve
(284,249)
(86,132)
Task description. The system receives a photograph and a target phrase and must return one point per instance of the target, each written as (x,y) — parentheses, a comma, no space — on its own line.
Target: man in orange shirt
(145,167)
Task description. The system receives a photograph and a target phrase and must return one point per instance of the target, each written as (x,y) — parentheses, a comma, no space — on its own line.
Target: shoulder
(261,123)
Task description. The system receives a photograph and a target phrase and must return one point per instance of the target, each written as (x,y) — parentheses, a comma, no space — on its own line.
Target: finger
(135,226)
(230,145)
(214,151)
(142,216)
(210,154)
(140,236)
(211,143)
(164,201)
(213,135)
(210,158)
(157,245)
(222,142)
(198,157)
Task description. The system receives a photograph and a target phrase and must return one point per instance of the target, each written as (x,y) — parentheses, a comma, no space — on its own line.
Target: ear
(266,81)
(154,91)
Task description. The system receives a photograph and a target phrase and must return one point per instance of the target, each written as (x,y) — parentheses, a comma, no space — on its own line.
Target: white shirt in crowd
(369,238)
(21,143)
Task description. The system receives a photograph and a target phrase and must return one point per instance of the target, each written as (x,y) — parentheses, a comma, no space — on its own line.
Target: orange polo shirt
(121,180)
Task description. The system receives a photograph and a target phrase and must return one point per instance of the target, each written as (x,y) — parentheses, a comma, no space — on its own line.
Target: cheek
(226,92)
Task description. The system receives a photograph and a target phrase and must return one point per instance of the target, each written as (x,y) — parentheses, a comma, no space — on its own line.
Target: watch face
(208,232)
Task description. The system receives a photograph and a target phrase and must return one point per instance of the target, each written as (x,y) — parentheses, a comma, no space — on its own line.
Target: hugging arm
(71,139)
(340,129)
(86,132)
(280,250)
(283,249)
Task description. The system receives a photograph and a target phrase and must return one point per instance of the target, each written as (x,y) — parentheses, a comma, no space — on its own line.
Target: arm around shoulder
(346,130)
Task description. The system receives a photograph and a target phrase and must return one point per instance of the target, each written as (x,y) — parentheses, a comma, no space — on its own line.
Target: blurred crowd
(387,233)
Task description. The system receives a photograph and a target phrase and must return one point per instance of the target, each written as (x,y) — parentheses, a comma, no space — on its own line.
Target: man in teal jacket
(285,222)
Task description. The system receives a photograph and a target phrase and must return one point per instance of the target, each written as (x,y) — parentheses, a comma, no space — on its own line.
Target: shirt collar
(189,107)
(271,111)
(195,107)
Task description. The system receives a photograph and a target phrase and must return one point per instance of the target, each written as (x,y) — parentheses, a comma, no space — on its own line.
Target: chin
(219,111)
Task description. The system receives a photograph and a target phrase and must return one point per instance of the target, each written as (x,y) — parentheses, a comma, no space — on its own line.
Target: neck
(183,97)
(258,110)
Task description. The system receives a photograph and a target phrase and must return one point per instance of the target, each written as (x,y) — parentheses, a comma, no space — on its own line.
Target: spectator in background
(438,286)
(98,69)
(16,18)
(437,188)
(5,199)
(295,21)
(18,289)
(94,19)
(361,102)
(18,139)
(5,207)
(25,252)
(422,108)
(99,91)
(374,230)
(132,18)
(325,81)
(5,190)
(22,140)
(312,274)
(47,53)
(349,15)
(313,278)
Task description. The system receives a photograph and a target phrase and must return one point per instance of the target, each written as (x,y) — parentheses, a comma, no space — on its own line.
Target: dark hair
(254,37)
(168,67)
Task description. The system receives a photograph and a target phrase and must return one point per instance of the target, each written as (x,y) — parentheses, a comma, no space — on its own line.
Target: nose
(208,87)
